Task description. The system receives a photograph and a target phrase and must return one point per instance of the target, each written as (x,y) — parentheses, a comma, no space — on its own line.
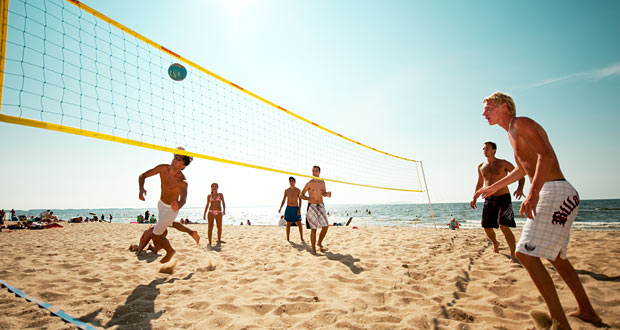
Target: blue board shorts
(290,214)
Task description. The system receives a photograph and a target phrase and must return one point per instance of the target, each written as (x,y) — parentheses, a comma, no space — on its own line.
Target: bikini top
(215,199)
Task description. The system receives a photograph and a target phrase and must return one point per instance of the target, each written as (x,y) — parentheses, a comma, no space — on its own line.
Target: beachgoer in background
(217,209)
(110,218)
(248,223)
(147,216)
(550,206)
(497,210)
(13,217)
(173,197)
(241,224)
(292,213)
(453,224)
(316,215)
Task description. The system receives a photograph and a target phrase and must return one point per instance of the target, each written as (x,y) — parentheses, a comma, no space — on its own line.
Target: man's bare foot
(322,248)
(195,236)
(588,317)
(495,247)
(168,256)
(513,260)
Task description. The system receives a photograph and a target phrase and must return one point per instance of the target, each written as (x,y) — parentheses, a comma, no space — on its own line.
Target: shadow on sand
(347,259)
(138,310)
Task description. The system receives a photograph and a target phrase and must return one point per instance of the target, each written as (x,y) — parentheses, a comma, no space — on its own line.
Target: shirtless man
(292,214)
(550,206)
(173,197)
(497,208)
(316,216)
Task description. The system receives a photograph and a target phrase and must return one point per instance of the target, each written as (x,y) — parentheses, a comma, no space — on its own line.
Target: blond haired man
(550,206)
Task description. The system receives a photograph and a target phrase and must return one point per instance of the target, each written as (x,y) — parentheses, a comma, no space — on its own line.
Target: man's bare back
(522,128)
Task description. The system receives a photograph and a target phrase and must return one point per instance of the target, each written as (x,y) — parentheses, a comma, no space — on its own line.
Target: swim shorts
(497,211)
(549,232)
(166,218)
(290,214)
(316,216)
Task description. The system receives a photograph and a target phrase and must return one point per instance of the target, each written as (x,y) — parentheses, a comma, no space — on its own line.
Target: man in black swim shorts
(497,210)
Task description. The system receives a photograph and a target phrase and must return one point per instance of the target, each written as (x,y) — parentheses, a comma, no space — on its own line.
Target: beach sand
(370,278)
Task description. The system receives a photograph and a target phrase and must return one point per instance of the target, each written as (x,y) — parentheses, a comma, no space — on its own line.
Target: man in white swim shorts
(316,216)
(173,197)
(550,206)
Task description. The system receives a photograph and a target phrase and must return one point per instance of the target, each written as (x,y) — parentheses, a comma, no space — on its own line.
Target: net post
(430,206)
(4,21)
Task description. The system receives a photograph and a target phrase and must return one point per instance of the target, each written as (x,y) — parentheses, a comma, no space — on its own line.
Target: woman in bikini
(216,208)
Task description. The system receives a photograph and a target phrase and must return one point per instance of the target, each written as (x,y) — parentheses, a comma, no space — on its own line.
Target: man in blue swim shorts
(292,214)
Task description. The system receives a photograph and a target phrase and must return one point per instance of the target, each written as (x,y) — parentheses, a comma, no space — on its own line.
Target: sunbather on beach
(146,237)
(550,207)
(292,213)
(216,207)
(316,216)
(173,197)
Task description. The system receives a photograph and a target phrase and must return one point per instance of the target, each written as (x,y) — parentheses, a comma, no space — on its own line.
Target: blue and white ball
(177,72)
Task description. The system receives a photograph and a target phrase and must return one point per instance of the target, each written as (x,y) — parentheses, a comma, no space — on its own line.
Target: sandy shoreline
(378,278)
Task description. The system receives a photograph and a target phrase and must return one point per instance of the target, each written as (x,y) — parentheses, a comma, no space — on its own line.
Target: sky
(406,77)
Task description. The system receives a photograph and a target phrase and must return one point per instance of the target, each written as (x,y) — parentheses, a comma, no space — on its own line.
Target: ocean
(600,214)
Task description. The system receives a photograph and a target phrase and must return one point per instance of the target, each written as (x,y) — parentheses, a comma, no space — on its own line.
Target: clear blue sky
(406,77)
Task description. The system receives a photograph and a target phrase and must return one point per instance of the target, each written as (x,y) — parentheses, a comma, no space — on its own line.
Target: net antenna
(66,67)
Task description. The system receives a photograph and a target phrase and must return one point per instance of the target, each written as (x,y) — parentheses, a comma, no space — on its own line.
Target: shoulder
(519,123)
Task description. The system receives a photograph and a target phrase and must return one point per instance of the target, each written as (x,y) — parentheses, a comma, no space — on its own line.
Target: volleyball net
(67,67)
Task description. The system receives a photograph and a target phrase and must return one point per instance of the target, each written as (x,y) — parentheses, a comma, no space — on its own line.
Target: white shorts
(548,234)
(316,216)
(165,218)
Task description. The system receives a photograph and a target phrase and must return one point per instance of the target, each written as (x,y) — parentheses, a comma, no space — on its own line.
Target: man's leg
(322,236)
(569,275)
(510,239)
(544,283)
(301,230)
(192,233)
(313,239)
(146,237)
(163,242)
(288,230)
(491,235)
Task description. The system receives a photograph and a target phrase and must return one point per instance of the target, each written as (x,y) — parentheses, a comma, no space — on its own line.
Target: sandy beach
(370,278)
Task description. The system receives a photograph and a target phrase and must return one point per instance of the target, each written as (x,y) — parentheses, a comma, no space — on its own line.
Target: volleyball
(177,72)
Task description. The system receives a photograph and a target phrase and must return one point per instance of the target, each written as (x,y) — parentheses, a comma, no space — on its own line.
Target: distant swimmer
(292,213)
(173,197)
(216,207)
(316,215)
(551,207)
(497,210)
(453,224)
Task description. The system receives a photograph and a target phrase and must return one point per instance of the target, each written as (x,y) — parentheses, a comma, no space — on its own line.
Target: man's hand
(299,211)
(472,204)
(519,193)
(485,192)
(328,194)
(142,194)
(528,207)
(175,205)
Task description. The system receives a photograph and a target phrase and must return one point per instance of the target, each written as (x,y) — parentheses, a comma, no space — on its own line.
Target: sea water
(593,214)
